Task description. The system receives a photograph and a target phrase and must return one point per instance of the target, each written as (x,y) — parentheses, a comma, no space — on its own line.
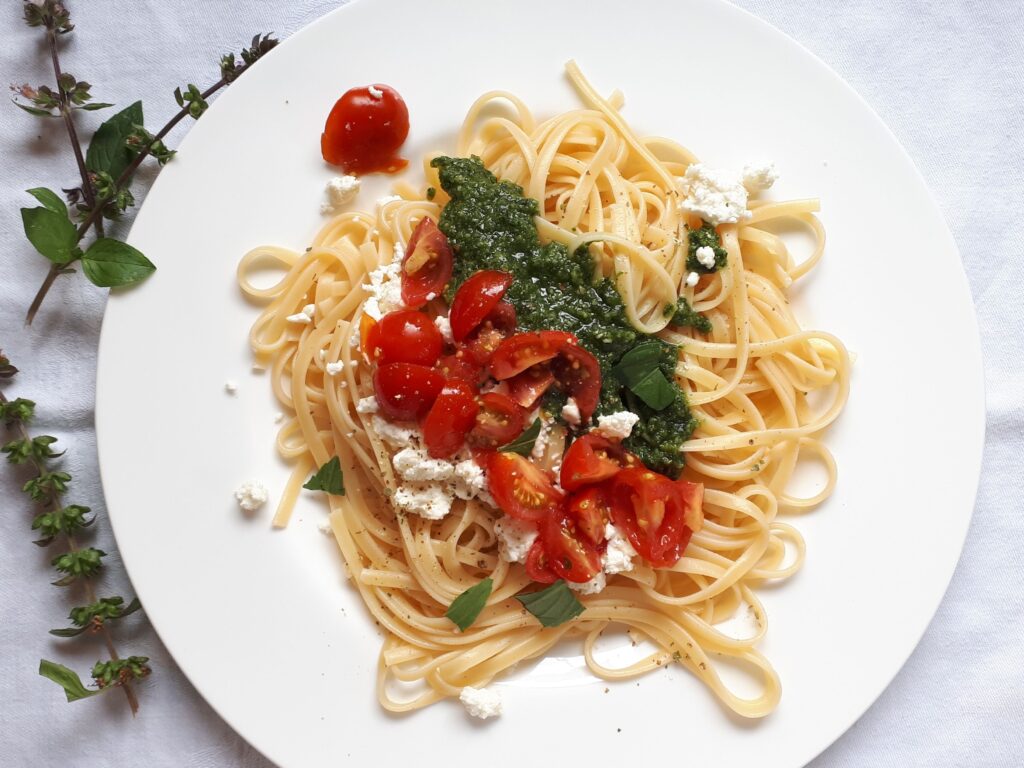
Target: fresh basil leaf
(467,606)
(36,110)
(328,479)
(108,152)
(66,679)
(93,106)
(554,605)
(51,233)
(108,263)
(639,369)
(523,445)
(70,632)
(50,200)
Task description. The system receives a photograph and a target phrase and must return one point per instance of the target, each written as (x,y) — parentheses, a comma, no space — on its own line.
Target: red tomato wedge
(570,555)
(406,391)
(366,324)
(517,353)
(365,129)
(538,565)
(427,266)
(450,419)
(591,509)
(462,367)
(498,325)
(526,388)
(405,336)
(499,421)
(648,508)
(522,489)
(475,299)
(693,502)
(591,459)
(579,374)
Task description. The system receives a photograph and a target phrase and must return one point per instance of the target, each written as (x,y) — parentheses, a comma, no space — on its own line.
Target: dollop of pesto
(706,235)
(489,224)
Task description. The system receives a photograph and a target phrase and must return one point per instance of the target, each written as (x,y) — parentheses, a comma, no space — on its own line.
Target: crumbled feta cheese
(591,587)
(481,702)
(340,190)
(385,288)
(231,386)
(431,296)
(445,328)
(571,411)
(617,425)
(515,537)
(716,195)
(251,495)
(429,501)
(376,92)
(305,316)
(333,369)
(706,256)
(394,434)
(759,175)
(619,553)
(367,405)
(471,482)
(692,278)
(325,528)
(540,445)
(415,465)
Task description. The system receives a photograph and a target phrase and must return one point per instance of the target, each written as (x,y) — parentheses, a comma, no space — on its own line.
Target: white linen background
(947,77)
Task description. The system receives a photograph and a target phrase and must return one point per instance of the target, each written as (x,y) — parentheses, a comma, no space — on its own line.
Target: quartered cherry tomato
(579,374)
(405,336)
(522,489)
(450,419)
(693,501)
(406,391)
(591,508)
(517,353)
(591,459)
(365,129)
(570,555)
(648,508)
(475,299)
(499,324)
(427,266)
(527,387)
(499,421)
(462,367)
(538,564)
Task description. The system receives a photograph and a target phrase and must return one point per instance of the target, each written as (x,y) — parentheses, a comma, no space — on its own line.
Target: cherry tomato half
(405,336)
(498,325)
(570,555)
(591,509)
(591,459)
(365,129)
(498,421)
(517,353)
(427,266)
(462,367)
(648,508)
(579,374)
(538,566)
(522,489)
(527,387)
(475,299)
(405,391)
(450,419)
(693,502)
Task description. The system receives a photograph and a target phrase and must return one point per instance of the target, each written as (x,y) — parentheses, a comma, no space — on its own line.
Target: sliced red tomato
(406,391)
(649,509)
(538,565)
(450,419)
(427,266)
(570,555)
(365,129)
(475,299)
(462,367)
(527,387)
(693,502)
(591,508)
(405,336)
(517,353)
(366,324)
(522,489)
(498,325)
(499,421)
(591,459)
(579,374)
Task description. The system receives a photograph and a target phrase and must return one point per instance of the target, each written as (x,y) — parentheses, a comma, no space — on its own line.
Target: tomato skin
(693,503)
(364,132)
(570,555)
(475,299)
(522,489)
(526,388)
(648,508)
(579,374)
(538,565)
(461,367)
(366,325)
(499,421)
(405,336)
(517,353)
(592,459)
(499,324)
(450,419)
(406,391)
(427,265)
(591,509)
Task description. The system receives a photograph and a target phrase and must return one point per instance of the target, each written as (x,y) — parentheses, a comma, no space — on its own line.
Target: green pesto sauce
(490,226)
(706,235)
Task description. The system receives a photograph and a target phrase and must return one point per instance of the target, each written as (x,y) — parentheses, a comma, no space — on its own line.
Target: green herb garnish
(328,479)
(523,445)
(554,605)
(467,606)
(683,314)
(640,370)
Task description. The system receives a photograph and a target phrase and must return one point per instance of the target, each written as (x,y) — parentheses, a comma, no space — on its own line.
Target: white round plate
(264,623)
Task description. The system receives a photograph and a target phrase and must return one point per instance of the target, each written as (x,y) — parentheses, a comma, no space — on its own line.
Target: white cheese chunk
(706,256)
(430,501)
(231,386)
(617,426)
(367,405)
(251,495)
(540,445)
(591,587)
(333,369)
(759,175)
(340,191)
(445,327)
(471,482)
(305,316)
(395,434)
(415,465)
(481,702)
(571,411)
(385,289)
(618,555)
(716,195)
(692,279)
(515,537)
(376,92)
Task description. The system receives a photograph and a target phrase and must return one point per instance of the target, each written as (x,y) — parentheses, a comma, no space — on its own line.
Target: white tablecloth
(946,77)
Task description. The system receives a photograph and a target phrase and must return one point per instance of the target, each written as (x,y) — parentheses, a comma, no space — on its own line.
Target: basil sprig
(523,445)
(554,605)
(328,479)
(467,606)
(640,371)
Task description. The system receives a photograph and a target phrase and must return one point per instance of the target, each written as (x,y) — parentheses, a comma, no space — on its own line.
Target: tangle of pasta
(750,382)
